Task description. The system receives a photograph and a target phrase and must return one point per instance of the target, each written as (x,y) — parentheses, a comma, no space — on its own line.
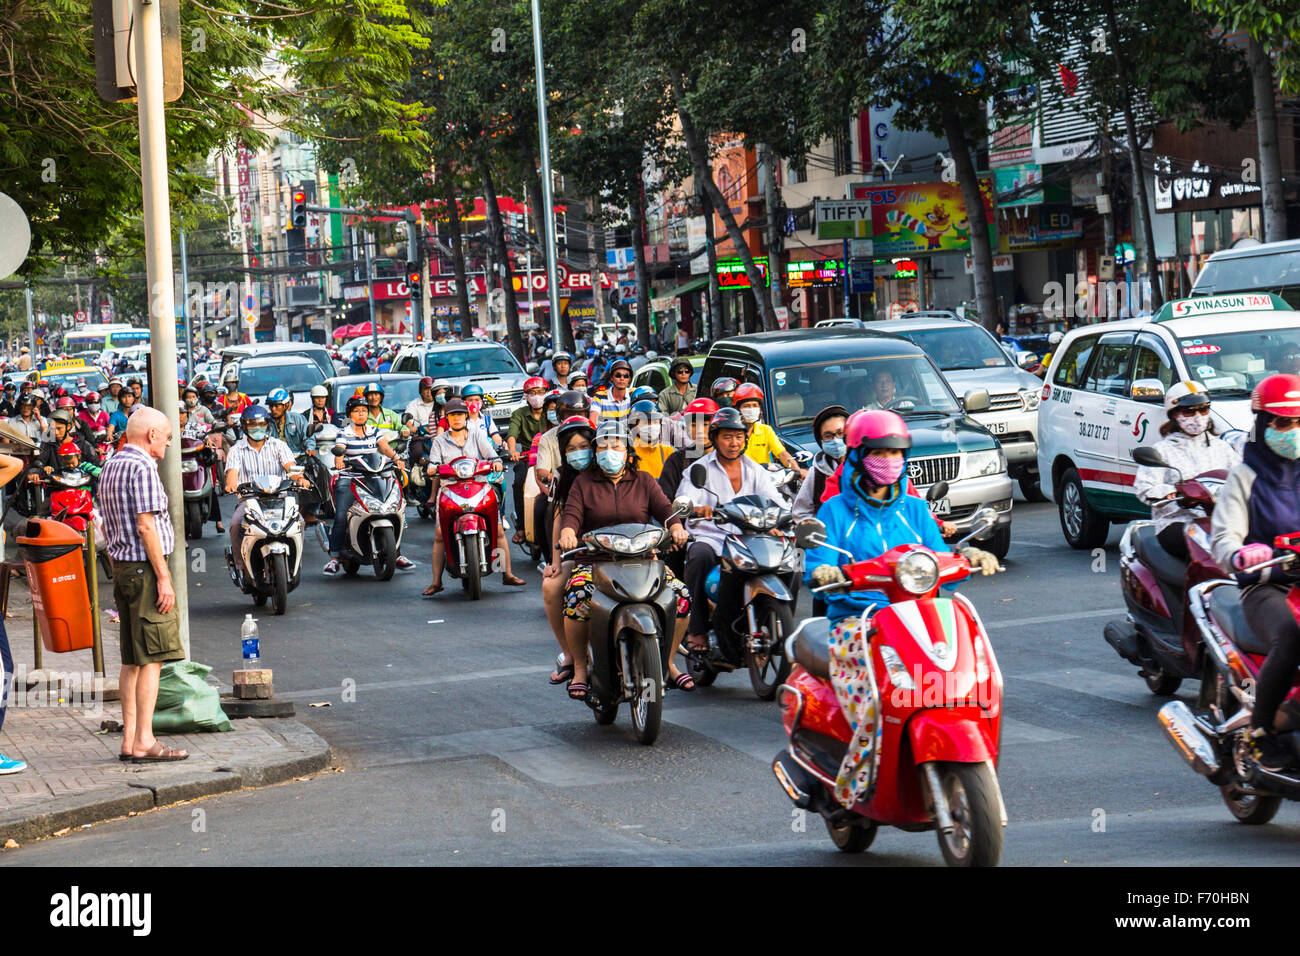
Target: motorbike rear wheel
(1162,684)
(385,562)
(350,566)
(279,583)
(1252,809)
(193,520)
(648,679)
(606,713)
(471,575)
(853,837)
(769,671)
(971,790)
(700,671)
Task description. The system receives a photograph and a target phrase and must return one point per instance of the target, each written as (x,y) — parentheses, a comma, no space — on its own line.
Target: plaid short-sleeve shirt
(129,486)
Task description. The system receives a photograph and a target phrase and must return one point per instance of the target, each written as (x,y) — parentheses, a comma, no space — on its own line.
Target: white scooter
(272,545)
(377,517)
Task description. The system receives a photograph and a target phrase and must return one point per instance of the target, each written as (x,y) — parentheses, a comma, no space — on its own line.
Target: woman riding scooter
(574,438)
(1259,501)
(358,438)
(1190,448)
(871,514)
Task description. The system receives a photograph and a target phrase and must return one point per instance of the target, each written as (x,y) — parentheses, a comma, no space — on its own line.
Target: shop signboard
(910,218)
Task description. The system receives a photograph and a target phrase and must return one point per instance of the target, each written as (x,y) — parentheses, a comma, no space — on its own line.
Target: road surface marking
(1123,689)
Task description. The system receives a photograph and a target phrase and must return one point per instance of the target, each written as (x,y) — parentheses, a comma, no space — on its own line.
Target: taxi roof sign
(66,365)
(1236,302)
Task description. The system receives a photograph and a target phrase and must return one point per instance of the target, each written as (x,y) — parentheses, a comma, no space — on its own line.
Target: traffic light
(299,218)
(413,276)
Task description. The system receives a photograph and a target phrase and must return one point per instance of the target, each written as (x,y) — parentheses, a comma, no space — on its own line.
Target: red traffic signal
(300,197)
(415,278)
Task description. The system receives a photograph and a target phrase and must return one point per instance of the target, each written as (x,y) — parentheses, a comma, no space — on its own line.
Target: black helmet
(680,363)
(726,418)
(830,411)
(573,402)
(615,365)
(356,401)
(720,387)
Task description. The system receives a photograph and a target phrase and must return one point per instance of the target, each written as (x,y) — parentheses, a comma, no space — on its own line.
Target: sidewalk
(74,776)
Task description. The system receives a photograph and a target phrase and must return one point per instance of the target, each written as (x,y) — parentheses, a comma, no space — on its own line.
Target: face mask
(94,407)
(650,434)
(611,460)
(553,418)
(579,460)
(1194,424)
(189,402)
(750,413)
(882,471)
(473,407)
(440,398)
(1284,444)
(257,434)
(535,401)
(232,387)
(835,448)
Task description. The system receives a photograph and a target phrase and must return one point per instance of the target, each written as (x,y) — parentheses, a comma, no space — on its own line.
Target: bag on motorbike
(531,491)
(187,702)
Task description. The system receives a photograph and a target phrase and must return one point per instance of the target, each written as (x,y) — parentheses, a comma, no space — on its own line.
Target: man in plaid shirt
(139,531)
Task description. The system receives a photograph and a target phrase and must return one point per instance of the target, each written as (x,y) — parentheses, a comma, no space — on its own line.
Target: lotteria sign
(570,281)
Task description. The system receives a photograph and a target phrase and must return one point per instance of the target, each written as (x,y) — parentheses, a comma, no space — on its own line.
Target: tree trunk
(704,176)
(457,247)
(596,242)
(1270,155)
(714,331)
(642,274)
(980,247)
(497,239)
(1135,160)
(775,254)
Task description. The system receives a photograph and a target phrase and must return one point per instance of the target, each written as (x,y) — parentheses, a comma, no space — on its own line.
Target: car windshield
(460,363)
(1232,364)
(958,349)
(298,378)
(906,383)
(95,380)
(397,395)
(1277,272)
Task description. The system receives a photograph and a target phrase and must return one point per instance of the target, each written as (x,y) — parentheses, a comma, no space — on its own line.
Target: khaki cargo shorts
(148,637)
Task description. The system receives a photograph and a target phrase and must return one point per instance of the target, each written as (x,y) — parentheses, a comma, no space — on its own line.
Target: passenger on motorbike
(93,416)
(871,514)
(117,421)
(61,430)
(614,492)
(198,413)
(381,417)
(473,397)
(461,441)
(722,390)
(526,423)
(731,473)
(358,438)
(558,375)
(287,425)
(828,429)
(424,410)
(763,446)
(70,460)
(578,381)
(647,426)
(1259,501)
(320,412)
(255,455)
(575,452)
(1191,448)
(695,419)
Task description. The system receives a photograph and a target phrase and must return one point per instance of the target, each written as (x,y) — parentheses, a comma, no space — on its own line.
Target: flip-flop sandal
(518,538)
(513,580)
(124,757)
(164,754)
(682,681)
(431,590)
(577,690)
(562,673)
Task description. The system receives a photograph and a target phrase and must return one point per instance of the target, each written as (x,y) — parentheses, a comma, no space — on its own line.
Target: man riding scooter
(286,425)
(256,454)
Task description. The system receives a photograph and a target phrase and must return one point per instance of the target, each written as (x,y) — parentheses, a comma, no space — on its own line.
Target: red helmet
(1277,395)
(747,393)
(65,402)
(701,406)
(535,382)
(92,397)
(69,448)
(876,428)
(426,382)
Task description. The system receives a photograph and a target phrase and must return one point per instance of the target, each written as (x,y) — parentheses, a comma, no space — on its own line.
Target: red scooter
(469,517)
(939,715)
(1214,742)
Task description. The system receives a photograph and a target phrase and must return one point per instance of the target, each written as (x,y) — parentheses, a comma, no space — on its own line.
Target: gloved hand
(982,561)
(828,574)
(1250,555)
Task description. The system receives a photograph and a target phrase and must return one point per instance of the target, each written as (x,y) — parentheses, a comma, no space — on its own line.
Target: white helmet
(1186,395)
(1055,338)
(651,355)
(319,391)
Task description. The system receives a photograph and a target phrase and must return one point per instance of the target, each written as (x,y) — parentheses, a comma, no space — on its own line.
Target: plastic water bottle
(249,638)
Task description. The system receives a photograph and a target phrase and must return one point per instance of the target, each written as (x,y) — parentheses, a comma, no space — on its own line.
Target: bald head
(148,428)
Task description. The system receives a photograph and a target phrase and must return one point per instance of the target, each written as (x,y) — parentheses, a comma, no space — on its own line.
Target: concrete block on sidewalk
(253,684)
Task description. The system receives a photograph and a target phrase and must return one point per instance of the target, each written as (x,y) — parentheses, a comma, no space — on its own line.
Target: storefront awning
(691,286)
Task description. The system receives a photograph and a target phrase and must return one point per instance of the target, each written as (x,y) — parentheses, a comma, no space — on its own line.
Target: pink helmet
(876,428)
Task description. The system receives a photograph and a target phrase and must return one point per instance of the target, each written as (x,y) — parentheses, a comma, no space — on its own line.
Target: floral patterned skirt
(855,688)
(577,594)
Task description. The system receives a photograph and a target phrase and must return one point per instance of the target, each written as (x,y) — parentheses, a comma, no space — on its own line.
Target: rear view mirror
(338,450)
(1150,457)
(313,428)
(683,505)
(699,475)
(937,490)
(976,400)
(809,533)
(1147,390)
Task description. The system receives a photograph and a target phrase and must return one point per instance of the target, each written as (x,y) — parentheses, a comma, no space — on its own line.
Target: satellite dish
(15,236)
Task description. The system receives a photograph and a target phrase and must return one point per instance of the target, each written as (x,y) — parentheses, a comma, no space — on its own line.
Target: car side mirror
(976,400)
(338,450)
(809,533)
(699,475)
(1026,359)
(1147,390)
(937,490)
(313,428)
(1146,455)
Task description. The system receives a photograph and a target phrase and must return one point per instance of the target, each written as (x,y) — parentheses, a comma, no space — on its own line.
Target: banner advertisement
(922,217)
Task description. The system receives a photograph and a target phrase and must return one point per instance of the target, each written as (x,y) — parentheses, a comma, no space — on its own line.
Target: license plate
(940,507)
(997,428)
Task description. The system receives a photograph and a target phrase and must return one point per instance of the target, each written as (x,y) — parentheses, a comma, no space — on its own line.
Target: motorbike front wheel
(385,553)
(648,679)
(193,520)
(279,583)
(471,573)
(853,837)
(971,790)
(769,670)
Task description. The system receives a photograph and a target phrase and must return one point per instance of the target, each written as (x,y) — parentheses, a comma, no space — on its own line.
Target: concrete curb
(304,753)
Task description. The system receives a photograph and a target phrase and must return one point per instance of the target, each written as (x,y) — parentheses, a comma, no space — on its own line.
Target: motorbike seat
(1225,608)
(1163,565)
(812,648)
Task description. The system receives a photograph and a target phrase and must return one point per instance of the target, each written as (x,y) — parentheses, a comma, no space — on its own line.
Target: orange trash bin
(56,575)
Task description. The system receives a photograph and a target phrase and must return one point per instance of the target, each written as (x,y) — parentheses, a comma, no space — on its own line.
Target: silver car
(488,364)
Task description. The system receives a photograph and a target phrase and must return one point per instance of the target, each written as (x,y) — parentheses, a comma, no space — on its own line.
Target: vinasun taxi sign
(1205,305)
(66,365)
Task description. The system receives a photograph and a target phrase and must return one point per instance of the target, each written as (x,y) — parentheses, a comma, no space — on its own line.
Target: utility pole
(775,270)
(528,265)
(281,248)
(185,309)
(715,294)
(158,267)
(370,297)
(547,215)
(413,254)
(31,328)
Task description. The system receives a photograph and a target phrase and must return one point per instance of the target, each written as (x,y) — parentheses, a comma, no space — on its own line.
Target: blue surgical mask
(835,448)
(579,460)
(257,434)
(611,460)
(1284,444)
(551,417)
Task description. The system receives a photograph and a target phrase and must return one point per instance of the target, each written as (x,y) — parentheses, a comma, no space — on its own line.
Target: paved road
(457,750)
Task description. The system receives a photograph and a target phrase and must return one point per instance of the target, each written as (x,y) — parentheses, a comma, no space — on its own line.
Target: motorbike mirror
(937,490)
(1236,438)
(809,533)
(981,521)
(338,449)
(313,428)
(699,475)
(219,412)
(218,428)
(1150,457)
(683,505)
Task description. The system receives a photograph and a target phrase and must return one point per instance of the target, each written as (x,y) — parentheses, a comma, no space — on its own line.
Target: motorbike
(197,459)
(417,461)
(318,504)
(758,569)
(939,690)
(469,514)
(271,549)
(1214,740)
(65,496)
(376,519)
(1157,633)
(633,613)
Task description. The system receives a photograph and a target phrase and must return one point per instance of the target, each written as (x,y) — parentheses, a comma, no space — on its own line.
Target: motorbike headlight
(742,561)
(614,542)
(189,465)
(464,468)
(980,464)
(981,659)
(790,559)
(369,502)
(917,572)
(1032,398)
(898,675)
(645,541)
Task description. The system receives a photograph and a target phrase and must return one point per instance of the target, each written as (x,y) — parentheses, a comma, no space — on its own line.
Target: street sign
(82,315)
(843,219)
(624,258)
(1000,264)
(782,317)
(627,291)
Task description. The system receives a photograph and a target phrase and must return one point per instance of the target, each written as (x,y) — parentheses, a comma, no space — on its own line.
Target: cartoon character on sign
(937,221)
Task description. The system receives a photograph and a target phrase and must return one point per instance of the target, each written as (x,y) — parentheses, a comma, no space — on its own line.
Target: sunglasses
(622,375)
(1198,410)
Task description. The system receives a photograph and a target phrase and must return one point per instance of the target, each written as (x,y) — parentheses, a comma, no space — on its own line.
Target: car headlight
(982,463)
(1032,397)
(898,675)
(917,572)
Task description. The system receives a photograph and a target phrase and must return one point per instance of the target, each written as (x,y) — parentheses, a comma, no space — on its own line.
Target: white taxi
(1103,395)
